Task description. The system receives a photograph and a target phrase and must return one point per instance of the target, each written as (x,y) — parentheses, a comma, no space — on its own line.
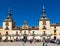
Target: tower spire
(8,18)
(43,12)
(43,7)
(9,13)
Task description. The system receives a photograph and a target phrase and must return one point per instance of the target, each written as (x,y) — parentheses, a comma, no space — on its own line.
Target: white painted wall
(35,32)
(58,29)
(40,25)
(48,24)
(52,30)
(10,25)
(4,25)
(47,27)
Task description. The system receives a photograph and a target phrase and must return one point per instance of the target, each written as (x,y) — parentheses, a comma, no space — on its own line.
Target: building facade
(45,29)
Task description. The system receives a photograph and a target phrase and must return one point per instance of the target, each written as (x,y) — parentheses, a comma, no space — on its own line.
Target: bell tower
(8,23)
(44,22)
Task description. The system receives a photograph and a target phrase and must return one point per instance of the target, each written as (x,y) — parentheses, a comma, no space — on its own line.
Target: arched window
(44,22)
(7,28)
(24,32)
(6,33)
(16,33)
(54,37)
(44,27)
(44,33)
(7,23)
(33,32)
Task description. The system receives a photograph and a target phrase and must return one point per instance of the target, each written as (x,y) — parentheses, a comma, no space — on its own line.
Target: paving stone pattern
(24,44)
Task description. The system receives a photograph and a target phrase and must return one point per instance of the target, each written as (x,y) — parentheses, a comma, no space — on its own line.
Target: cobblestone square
(25,44)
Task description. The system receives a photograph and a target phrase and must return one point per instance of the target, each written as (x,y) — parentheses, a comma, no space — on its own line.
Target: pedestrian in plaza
(31,40)
(43,41)
(34,41)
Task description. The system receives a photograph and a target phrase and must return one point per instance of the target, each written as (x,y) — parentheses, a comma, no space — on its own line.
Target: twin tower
(44,29)
(43,21)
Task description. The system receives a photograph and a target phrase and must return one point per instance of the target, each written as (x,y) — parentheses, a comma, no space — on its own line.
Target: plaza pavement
(25,44)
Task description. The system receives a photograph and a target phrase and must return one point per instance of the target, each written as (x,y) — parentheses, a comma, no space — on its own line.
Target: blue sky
(30,10)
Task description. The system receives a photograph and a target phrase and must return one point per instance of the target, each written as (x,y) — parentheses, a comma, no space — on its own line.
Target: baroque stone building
(45,29)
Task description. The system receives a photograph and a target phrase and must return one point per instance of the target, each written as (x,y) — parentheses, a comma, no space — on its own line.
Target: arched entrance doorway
(25,38)
(54,37)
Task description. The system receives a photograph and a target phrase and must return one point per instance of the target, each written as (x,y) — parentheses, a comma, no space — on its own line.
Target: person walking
(43,41)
